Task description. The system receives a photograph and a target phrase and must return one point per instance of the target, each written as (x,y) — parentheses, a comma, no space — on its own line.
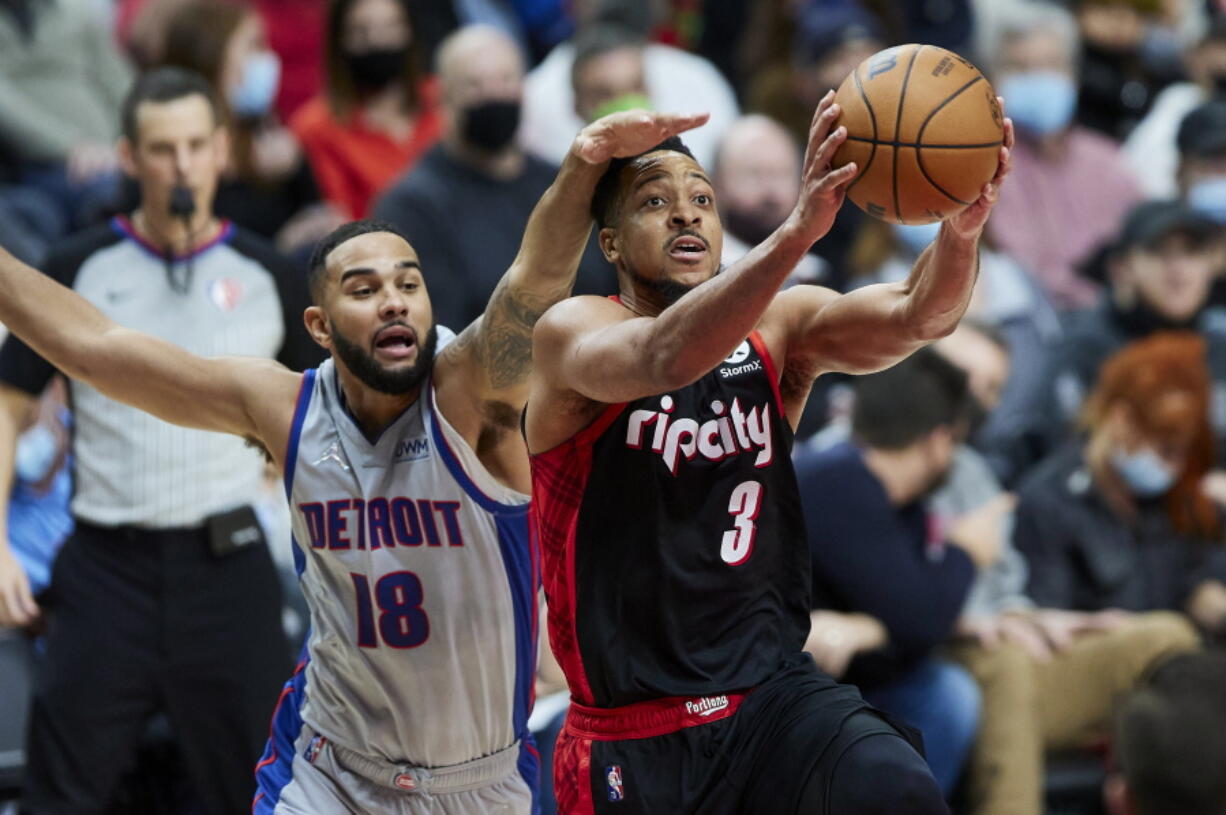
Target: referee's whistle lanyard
(182,206)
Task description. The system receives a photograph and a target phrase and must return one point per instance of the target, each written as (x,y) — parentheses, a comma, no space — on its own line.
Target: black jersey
(673,540)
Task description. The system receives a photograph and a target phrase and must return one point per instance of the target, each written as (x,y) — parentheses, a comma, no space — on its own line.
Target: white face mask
(1208,197)
(1145,473)
(257,89)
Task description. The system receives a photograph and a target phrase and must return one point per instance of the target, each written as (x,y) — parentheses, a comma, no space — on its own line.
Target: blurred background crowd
(1017,535)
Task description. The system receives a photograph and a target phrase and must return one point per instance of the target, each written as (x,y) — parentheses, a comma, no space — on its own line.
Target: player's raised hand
(630,132)
(822,186)
(970,222)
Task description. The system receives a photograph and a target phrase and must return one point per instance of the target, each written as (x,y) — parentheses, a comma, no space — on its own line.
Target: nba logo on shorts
(613,774)
(313,749)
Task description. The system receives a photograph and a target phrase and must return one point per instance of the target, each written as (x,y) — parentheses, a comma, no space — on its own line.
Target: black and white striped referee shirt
(242,298)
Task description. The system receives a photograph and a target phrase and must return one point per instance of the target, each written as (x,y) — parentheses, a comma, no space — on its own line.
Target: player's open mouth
(396,342)
(687,249)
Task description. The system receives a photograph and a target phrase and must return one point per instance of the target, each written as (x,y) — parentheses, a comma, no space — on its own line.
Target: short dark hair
(606,198)
(165,84)
(900,405)
(318,267)
(1170,741)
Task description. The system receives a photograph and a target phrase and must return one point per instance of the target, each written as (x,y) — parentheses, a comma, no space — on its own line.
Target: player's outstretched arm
(872,328)
(498,347)
(230,395)
(592,349)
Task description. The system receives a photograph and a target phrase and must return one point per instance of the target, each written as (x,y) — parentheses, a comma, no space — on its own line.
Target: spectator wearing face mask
(1159,274)
(268,187)
(377,115)
(1201,174)
(1119,518)
(477,175)
(609,65)
(1073,186)
(757,178)
(1047,676)
(830,40)
(1152,150)
(1125,60)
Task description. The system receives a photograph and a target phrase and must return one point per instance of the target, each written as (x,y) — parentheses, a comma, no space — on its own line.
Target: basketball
(924,129)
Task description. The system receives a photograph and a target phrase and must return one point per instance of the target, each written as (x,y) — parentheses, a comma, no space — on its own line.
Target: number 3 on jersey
(403,623)
(744,506)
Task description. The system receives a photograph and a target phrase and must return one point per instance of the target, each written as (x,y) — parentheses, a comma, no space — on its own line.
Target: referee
(165,598)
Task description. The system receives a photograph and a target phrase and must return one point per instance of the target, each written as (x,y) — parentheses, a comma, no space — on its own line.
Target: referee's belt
(657,717)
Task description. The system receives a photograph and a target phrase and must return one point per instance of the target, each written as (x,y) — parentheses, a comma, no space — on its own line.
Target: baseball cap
(1147,225)
(1203,130)
(822,26)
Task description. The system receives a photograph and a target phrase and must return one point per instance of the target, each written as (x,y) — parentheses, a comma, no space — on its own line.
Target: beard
(375,376)
(670,290)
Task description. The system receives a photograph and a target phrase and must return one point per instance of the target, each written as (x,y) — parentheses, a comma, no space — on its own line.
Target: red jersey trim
(644,720)
(771,371)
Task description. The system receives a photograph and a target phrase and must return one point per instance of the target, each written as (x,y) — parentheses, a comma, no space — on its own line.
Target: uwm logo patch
(411,450)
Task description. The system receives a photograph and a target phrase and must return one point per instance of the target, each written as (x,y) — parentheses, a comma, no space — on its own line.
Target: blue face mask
(36,451)
(255,92)
(1208,197)
(1145,474)
(1039,102)
(913,238)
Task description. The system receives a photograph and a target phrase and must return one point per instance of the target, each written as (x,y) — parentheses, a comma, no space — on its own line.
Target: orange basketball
(924,129)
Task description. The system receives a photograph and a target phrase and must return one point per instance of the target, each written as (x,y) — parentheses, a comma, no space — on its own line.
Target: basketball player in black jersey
(660,424)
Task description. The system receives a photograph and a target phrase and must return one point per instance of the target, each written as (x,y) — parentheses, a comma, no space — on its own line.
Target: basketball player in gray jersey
(407,479)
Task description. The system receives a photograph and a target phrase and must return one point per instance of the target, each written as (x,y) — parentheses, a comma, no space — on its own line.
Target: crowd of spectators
(1009,530)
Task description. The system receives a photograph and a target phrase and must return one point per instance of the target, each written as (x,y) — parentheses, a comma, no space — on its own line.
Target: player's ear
(317,326)
(608,244)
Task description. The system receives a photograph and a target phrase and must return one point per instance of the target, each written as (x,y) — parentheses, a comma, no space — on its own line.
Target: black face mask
(1219,86)
(490,125)
(751,226)
(375,70)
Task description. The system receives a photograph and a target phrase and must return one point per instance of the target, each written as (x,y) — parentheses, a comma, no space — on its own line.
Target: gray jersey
(419,575)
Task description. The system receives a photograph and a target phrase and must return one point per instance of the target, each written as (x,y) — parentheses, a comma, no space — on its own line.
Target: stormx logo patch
(707,705)
(412,450)
(613,775)
(737,362)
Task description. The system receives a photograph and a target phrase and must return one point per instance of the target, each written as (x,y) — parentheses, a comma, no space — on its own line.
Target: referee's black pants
(142,622)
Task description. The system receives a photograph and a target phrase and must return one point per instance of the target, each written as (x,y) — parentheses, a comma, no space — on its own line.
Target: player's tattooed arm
(497,348)
(501,341)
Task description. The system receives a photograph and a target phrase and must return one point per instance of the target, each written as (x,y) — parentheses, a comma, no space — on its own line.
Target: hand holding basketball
(823,188)
(970,222)
(630,132)
(926,130)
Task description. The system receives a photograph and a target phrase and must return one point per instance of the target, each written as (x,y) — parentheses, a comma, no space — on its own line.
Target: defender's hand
(970,222)
(631,132)
(822,187)
(17,606)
